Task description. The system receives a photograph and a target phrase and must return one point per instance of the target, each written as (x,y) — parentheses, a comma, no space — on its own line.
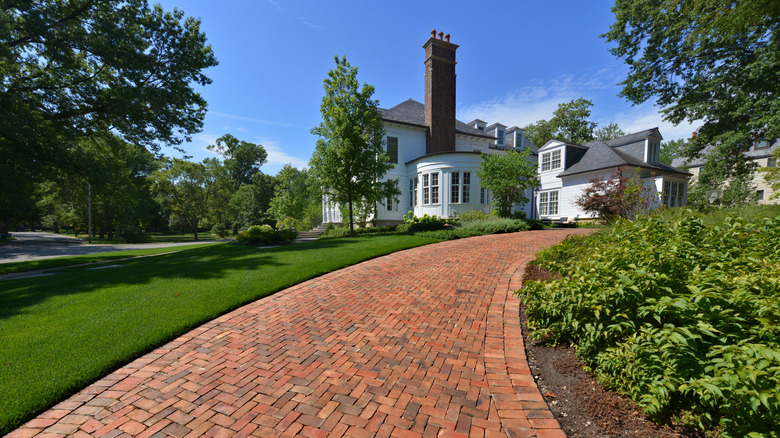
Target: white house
(565,170)
(437,157)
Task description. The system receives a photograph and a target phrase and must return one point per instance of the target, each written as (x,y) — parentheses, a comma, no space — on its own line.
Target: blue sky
(516,62)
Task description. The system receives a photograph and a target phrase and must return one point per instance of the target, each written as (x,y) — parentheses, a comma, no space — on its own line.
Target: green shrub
(266,235)
(335,231)
(680,316)
(472,215)
(535,224)
(219,230)
(424,223)
(133,234)
(495,226)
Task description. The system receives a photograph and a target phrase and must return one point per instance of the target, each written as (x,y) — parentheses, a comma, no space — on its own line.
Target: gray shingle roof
(630,138)
(412,112)
(601,155)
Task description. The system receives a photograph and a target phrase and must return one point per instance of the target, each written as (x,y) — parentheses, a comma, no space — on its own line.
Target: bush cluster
(265,235)
(333,231)
(681,316)
(133,234)
(421,223)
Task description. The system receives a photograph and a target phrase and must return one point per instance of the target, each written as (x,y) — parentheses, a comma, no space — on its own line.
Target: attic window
(500,135)
(481,128)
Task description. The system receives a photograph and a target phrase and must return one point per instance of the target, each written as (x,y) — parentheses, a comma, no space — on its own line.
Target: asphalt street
(41,245)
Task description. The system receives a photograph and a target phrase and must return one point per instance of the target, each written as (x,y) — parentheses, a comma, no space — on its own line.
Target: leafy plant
(689,328)
(615,197)
(265,234)
(422,223)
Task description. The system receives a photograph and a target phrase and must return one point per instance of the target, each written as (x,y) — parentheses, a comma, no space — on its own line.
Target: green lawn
(62,332)
(156,237)
(34,265)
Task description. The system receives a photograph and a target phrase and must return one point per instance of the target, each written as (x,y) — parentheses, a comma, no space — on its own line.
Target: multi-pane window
(653,152)
(674,193)
(455,188)
(500,135)
(413,192)
(391,204)
(771,162)
(466,187)
(426,189)
(434,188)
(548,203)
(460,189)
(551,160)
(392,149)
(484,196)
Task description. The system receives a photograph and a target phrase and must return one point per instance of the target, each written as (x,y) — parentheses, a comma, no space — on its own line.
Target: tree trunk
(235,229)
(351,220)
(195,230)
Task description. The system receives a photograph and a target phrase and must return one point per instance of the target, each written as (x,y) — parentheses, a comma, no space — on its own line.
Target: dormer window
(500,136)
(481,128)
(653,152)
(551,160)
(519,140)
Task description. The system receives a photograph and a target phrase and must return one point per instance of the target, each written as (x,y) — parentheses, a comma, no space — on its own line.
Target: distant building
(565,170)
(436,156)
(760,152)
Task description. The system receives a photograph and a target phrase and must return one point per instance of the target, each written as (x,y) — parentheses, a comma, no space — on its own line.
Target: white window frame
(500,136)
(673,194)
(484,196)
(455,187)
(389,154)
(426,184)
(551,160)
(548,203)
(435,192)
(465,196)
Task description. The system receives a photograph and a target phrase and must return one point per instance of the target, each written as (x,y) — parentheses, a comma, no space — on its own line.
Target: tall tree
(242,159)
(507,177)
(295,195)
(250,203)
(671,149)
(569,123)
(540,132)
(349,159)
(708,61)
(69,69)
(182,186)
(610,131)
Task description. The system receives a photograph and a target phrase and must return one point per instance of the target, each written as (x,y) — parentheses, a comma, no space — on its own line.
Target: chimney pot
(447,37)
(441,34)
(433,33)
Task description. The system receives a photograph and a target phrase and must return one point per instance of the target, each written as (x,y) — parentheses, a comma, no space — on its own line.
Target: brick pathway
(423,342)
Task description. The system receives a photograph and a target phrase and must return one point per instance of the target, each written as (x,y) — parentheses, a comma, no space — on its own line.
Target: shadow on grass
(186,265)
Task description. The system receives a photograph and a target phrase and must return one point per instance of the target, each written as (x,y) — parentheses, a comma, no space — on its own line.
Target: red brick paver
(421,343)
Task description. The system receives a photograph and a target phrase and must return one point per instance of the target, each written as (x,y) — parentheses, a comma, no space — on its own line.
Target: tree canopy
(712,62)
(569,123)
(69,70)
(610,131)
(349,160)
(507,176)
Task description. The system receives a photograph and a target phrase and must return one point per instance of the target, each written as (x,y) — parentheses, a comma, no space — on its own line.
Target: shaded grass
(155,237)
(60,333)
(34,265)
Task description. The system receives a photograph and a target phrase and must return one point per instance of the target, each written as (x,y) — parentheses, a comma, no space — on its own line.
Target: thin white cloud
(313,26)
(537,101)
(277,156)
(250,119)
(276,5)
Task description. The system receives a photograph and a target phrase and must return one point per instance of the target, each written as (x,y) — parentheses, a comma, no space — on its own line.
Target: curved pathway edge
(422,342)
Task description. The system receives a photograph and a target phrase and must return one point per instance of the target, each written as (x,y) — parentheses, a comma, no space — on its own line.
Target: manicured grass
(34,265)
(156,237)
(62,332)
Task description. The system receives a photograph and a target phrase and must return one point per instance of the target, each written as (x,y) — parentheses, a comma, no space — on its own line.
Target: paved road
(40,245)
(422,342)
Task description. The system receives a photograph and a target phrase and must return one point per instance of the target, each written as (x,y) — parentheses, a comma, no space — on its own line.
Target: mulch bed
(581,405)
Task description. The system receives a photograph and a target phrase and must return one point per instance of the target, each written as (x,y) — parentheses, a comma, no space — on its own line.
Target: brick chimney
(439,94)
